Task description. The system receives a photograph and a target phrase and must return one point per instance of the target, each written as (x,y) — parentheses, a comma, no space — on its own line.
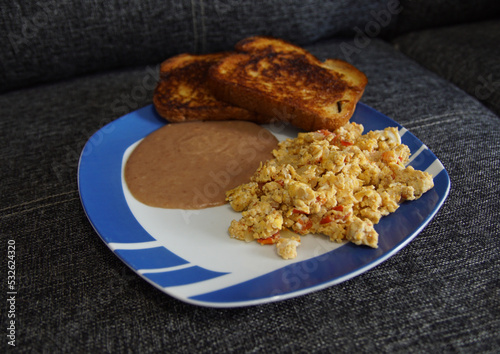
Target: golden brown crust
(270,45)
(277,79)
(182,93)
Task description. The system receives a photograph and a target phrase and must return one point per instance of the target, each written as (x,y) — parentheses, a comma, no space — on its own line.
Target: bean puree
(192,165)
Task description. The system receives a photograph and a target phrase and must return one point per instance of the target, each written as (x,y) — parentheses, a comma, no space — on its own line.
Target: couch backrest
(423,14)
(48,40)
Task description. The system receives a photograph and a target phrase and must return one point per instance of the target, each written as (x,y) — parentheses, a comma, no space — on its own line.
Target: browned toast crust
(277,79)
(182,93)
(270,44)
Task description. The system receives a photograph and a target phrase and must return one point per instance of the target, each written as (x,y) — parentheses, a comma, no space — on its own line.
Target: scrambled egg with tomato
(336,183)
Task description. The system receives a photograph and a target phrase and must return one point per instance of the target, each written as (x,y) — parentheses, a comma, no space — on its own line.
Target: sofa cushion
(50,40)
(423,14)
(440,293)
(468,55)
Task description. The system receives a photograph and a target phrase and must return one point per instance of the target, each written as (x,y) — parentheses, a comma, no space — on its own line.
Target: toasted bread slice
(278,79)
(182,93)
(272,45)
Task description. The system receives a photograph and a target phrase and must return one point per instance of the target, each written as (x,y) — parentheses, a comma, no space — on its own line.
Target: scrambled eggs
(334,183)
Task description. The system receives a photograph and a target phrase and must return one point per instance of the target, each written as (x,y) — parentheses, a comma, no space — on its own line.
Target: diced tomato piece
(325,132)
(270,240)
(346,143)
(306,224)
(329,218)
(297,211)
(326,220)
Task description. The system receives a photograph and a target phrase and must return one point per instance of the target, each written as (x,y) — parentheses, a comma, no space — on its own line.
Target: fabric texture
(43,42)
(468,55)
(438,294)
(425,14)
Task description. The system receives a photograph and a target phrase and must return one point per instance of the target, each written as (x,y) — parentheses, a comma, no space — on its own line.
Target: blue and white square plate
(189,255)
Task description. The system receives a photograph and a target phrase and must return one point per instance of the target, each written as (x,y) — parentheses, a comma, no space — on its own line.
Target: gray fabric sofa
(69,68)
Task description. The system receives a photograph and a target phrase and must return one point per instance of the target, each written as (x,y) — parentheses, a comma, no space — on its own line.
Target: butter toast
(182,93)
(278,79)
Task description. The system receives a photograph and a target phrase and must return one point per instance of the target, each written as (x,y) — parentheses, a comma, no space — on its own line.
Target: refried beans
(192,165)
